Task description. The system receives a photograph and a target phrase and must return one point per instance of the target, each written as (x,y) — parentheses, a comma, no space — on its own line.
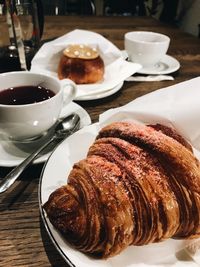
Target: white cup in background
(145,47)
(24,121)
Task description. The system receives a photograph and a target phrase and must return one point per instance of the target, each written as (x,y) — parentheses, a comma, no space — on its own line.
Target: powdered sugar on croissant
(139,184)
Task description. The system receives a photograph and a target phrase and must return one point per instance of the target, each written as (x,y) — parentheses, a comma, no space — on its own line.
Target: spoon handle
(12,176)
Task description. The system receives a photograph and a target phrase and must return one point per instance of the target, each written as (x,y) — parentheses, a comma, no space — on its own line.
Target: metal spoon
(63,128)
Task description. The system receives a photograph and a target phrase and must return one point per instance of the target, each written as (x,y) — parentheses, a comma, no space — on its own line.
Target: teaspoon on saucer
(64,128)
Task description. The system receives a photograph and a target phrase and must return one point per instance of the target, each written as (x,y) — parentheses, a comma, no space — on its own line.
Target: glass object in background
(8,53)
(54,7)
(21,27)
(69,7)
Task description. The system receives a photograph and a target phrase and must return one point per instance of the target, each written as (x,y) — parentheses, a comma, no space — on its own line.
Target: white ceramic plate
(101,94)
(116,68)
(55,175)
(11,154)
(167,65)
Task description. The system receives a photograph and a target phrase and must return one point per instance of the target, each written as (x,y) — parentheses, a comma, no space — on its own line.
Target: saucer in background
(167,65)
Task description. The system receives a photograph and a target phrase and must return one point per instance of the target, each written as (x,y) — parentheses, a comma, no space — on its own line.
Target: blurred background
(182,13)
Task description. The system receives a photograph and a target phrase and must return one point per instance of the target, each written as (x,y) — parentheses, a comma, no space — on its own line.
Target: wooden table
(23,238)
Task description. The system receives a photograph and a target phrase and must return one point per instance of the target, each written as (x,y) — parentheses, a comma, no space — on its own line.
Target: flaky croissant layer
(139,184)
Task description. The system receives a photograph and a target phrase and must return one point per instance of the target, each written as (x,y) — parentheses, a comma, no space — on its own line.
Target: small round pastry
(82,64)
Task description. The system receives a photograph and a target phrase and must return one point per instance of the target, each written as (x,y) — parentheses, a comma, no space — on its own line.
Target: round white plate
(100,94)
(167,65)
(55,174)
(11,154)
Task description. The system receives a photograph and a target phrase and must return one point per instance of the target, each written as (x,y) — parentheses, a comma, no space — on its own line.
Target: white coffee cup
(145,47)
(24,121)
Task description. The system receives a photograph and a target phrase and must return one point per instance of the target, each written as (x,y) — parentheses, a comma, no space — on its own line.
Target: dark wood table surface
(23,238)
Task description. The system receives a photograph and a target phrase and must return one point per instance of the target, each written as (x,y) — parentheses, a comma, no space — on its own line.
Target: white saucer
(100,94)
(167,65)
(11,154)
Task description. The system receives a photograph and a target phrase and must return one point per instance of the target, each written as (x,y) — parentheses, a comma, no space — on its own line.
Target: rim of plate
(101,95)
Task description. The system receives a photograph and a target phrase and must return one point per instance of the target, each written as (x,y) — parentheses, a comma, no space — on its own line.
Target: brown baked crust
(81,71)
(137,185)
(171,132)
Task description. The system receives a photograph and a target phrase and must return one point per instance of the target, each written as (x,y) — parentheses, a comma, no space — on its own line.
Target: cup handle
(69,89)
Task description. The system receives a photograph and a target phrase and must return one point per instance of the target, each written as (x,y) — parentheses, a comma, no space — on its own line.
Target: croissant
(138,184)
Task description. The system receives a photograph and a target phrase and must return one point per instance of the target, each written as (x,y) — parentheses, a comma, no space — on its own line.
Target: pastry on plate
(82,64)
(138,184)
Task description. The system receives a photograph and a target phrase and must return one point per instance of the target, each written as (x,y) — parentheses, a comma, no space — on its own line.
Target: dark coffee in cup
(36,106)
(23,95)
